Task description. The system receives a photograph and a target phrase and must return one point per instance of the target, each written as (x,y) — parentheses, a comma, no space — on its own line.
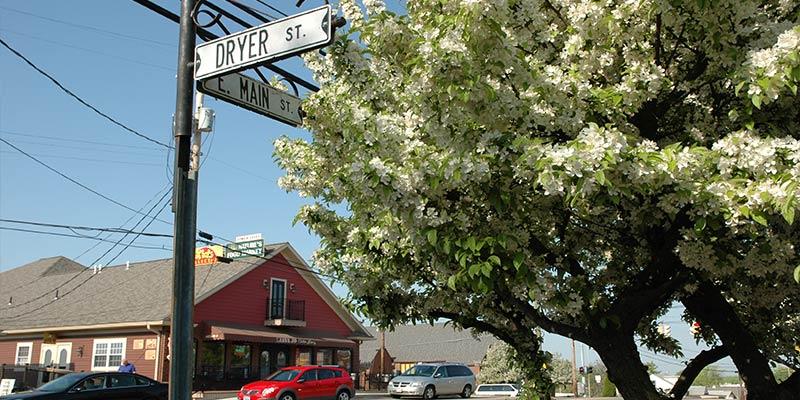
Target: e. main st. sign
(268,42)
(255,96)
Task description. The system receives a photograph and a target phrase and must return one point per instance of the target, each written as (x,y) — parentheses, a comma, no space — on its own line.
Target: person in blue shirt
(127,367)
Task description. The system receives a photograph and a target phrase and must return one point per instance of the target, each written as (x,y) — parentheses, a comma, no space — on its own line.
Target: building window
(24,351)
(277,298)
(212,360)
(108,354)
(325,357)
(343,359)
(303,356)
(240,361)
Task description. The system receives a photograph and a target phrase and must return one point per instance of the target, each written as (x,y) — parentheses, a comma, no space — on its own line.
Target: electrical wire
(102,161)
(272,8)
(146,247)
(167,187)
(105,55)
(76,97)
(75,276)
(139,234)
(91,28)
(253,9)
(72,140)
(75,181)
(84,228)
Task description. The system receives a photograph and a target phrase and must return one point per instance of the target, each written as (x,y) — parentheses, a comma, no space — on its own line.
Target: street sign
(245,249)
(268,42)
(253,95)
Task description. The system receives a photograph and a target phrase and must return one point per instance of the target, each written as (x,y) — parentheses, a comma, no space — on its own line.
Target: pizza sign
(205,256)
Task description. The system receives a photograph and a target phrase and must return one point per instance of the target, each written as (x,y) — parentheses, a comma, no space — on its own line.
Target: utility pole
(383,351)
(181,329)
(574,371)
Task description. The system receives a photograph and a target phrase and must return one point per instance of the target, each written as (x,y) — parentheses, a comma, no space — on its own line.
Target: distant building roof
(140,292)
(422,343)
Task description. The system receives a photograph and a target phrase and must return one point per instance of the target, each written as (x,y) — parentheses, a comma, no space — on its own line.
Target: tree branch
(474,323)
(687,377)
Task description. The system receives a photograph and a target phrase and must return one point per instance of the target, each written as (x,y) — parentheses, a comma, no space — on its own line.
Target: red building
(252,316)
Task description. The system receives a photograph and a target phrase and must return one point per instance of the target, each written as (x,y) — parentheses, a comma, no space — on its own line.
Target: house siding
(82,350)
(244,301)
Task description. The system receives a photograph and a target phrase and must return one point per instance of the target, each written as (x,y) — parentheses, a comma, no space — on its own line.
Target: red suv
(301,383)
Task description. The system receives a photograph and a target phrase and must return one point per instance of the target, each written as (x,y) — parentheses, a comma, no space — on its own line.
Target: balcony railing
(292,310)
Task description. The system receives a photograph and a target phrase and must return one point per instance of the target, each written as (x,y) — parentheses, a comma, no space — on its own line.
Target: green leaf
(463,261)
(432,237)
(600,176)
(603,323)
(518,260)
(797,274)
(494,260)
(700,224)
(756,101)
(739,87)
(759,217)
(474,269)
(788,214)
(470,244)
(446,246)
(451,282)
(486,269)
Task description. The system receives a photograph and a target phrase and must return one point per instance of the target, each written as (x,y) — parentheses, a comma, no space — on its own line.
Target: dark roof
(423,343)
(138,292)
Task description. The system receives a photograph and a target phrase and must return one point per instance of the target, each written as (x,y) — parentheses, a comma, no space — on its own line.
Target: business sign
(6,386)
(247,238)
(245,249)
(206,255)
(294,340)
(272,41)
(255,96)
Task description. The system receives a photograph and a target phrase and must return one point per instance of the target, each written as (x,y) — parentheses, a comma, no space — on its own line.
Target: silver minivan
(433,379)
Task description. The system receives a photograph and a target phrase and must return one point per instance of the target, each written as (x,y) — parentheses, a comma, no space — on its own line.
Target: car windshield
(61,384)
(420,370)
(284,375)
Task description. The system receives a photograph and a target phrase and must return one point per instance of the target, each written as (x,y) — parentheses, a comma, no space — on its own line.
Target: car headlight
(268,391)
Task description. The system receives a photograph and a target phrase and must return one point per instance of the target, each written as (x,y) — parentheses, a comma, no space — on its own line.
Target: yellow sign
(207,255)
(49,338)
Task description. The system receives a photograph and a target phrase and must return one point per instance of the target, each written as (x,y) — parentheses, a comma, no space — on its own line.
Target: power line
(74,181)
(75,276)
(105,55)
(97,160)
(146,247)
(72,140)
(76,97)
(141,233)
(84,228)
(126,221)
(273,8)
(91,28)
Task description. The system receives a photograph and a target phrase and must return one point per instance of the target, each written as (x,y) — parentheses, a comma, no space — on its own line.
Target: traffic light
(580,370)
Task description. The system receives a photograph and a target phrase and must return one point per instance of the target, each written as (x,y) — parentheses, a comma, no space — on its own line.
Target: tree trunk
(625,368)
(708,304)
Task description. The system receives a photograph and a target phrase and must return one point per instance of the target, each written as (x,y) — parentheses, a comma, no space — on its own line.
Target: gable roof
(438,342)
(140,292)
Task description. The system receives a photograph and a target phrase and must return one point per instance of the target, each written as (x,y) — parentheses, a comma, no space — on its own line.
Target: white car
(497,390)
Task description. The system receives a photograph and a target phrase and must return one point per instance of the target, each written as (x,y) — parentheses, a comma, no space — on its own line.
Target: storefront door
(272,358)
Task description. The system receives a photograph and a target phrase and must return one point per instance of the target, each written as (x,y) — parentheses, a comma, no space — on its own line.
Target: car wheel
(343,395)
(429,393)
(466,392)
(287,396)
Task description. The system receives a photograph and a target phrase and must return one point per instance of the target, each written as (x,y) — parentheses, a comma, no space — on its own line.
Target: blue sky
(121,57)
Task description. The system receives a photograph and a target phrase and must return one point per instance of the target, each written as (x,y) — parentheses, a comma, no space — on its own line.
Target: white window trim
(124,342)
(29,345)
(285,289)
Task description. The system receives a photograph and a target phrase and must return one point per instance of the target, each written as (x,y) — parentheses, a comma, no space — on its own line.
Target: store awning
(274,335)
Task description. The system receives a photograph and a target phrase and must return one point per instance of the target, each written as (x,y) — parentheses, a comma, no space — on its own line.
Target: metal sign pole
(181,330)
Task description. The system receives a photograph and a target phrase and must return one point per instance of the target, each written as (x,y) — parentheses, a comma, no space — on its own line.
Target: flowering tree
(570,165)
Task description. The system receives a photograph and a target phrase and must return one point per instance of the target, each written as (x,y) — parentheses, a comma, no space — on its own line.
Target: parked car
(431,380)
(302,383)
(497,390)
(96,386)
